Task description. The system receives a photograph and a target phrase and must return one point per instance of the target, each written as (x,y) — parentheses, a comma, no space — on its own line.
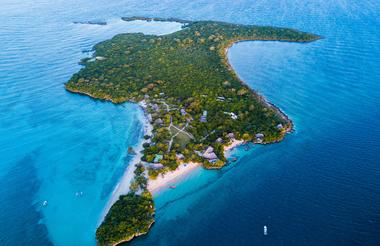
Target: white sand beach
(166,180)
(235,143)
(169,179)
(122,187)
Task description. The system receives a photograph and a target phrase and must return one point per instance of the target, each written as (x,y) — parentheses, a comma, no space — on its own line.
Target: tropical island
(194,101)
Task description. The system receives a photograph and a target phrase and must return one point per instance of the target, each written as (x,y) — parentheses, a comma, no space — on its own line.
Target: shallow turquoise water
(320,186)
(58,147)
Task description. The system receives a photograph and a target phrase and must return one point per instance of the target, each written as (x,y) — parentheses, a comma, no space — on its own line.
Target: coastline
(131,237)
(163,182)
(260,97)
(168,179)
(122,187)
(228,148)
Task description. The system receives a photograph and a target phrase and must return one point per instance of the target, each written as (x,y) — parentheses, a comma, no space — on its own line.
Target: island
(194,101)
(100,23)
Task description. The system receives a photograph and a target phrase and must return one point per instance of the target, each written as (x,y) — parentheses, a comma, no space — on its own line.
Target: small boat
(79,193)
(234,159)
(172,187)
(45,203)
(265,230)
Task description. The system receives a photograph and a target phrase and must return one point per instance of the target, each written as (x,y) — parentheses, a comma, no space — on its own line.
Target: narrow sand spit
(122,187)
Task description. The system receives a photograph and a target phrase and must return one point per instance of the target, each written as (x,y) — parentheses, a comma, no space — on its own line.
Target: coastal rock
(131,151)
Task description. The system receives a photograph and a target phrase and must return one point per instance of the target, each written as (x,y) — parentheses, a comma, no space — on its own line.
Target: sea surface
(320,186)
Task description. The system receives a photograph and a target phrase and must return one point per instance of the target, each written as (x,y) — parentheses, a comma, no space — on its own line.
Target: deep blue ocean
(320,186)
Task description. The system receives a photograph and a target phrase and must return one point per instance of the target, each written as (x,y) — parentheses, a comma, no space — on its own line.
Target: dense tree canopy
(130,216)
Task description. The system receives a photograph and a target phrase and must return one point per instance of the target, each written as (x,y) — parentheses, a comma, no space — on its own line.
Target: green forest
(132,215)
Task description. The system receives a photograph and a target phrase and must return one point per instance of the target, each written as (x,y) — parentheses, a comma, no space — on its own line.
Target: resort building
(259,137)
(209,153)
(204,116)
(158,121)
(183,112)
(221,99)
(180,156)
(233,116)
(156,166)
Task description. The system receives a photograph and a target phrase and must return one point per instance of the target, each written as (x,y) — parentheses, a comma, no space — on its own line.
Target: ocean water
(320,186)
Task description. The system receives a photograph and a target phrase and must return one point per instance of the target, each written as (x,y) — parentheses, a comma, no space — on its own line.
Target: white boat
(45,203)
(265,230)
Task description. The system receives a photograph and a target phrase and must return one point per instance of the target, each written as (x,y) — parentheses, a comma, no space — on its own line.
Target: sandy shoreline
(235,143)
(122,187)
(169,179)
(162,181)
